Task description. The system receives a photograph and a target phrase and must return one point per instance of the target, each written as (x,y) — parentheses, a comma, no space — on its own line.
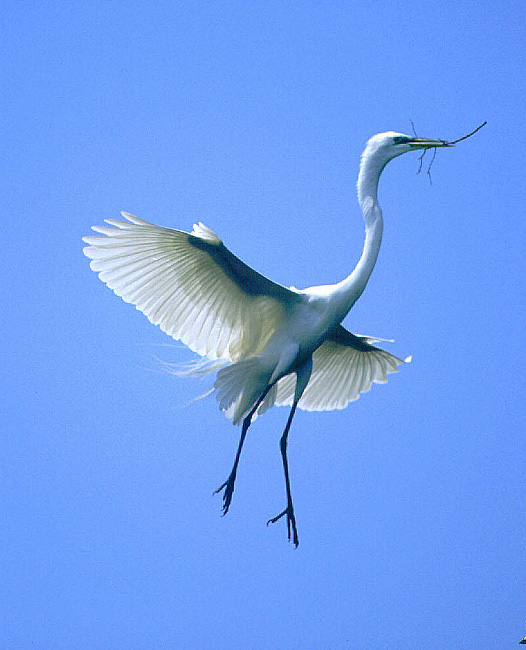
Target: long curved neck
(350,289)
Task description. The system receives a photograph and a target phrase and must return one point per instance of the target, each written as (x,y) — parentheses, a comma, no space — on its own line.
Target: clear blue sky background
(251,117)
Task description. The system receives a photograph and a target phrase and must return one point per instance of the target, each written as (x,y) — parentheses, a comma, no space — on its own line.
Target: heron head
(386,146)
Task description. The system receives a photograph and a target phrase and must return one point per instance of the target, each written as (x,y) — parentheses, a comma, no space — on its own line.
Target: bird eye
(401,139)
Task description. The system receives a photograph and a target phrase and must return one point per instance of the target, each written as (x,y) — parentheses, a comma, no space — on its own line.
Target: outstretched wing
(190,285)
(344,366)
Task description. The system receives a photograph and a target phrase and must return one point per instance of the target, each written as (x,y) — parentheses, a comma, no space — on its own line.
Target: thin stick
(421,157)
(465,137)
(446,142)
(431,164)
(421,160)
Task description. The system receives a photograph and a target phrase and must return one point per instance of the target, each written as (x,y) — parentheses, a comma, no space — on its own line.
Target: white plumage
(184,288)
(270,345)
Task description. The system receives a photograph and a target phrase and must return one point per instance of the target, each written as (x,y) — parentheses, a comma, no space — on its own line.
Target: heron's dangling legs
(289,510)
(303,374)
(228,485)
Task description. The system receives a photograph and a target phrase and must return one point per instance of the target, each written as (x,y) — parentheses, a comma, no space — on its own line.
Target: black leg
(289,510)
(228,485)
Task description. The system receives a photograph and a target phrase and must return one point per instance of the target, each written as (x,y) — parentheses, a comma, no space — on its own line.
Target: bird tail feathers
(195,369)
(240,385)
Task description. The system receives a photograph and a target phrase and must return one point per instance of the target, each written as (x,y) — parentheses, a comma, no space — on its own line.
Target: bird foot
(228,487)
(291,524)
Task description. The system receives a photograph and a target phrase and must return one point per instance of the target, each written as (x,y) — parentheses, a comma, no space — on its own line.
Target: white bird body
(272,345)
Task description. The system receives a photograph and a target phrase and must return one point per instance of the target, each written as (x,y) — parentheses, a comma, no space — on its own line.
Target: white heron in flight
(270,345)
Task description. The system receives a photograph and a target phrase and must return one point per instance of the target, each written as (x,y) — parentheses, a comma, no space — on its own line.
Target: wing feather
(190,285)
(343,367)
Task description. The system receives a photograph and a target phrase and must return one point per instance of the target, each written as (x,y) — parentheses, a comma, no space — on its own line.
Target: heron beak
(426,143)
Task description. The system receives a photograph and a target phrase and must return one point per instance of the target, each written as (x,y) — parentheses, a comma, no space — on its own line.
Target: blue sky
(410,503)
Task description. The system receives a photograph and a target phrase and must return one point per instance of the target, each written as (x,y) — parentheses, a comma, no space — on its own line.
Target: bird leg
(228,485)
(289,510)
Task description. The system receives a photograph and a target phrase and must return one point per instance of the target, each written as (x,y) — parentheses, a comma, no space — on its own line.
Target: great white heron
(269,344)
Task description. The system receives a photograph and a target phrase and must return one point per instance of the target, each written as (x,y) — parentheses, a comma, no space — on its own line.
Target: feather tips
(343,368)
(190,285)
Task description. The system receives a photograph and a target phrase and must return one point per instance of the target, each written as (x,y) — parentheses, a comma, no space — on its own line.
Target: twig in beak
(465,137)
